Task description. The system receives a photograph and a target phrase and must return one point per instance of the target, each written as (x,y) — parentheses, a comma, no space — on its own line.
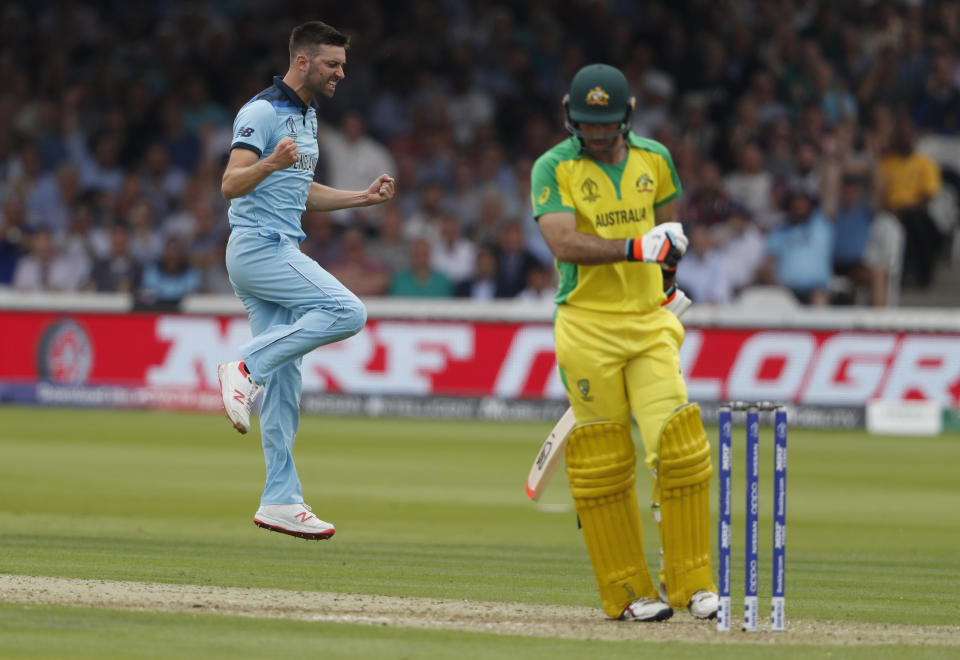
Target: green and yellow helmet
(599,94)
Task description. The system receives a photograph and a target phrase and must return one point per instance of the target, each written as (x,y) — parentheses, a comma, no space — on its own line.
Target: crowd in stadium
(793,126)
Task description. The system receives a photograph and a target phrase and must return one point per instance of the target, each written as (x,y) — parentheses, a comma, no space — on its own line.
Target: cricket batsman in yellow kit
(604,202)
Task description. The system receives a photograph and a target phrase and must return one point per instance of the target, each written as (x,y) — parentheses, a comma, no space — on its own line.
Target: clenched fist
(285,154)
(381,190)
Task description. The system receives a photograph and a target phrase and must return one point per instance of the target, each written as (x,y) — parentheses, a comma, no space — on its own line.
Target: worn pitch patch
(531,620)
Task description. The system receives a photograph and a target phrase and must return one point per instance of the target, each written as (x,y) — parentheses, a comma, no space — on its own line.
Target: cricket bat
(550,456)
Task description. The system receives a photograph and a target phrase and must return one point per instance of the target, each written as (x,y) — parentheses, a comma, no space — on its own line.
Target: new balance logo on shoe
(293,519)
(239,392)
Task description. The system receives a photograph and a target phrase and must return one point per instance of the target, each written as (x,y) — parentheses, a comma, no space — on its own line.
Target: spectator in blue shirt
(867,245)
(166,282)
(851,226)
(702,273)
(800,252)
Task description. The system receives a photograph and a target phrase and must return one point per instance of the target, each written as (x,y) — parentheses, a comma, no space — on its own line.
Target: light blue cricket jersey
(278,202)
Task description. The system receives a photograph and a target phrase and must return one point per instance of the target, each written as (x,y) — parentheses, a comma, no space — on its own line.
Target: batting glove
(677,301)
(664,244)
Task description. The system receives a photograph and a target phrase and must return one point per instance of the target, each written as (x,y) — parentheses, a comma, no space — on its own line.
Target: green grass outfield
(429,509)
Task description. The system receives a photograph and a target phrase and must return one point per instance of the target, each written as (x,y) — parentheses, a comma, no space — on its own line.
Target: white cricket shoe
(704,605)
(293,519)
(647,609)
(239,391)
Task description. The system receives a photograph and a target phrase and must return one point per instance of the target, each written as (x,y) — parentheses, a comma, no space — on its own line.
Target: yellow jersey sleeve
(668,187)
(550,193)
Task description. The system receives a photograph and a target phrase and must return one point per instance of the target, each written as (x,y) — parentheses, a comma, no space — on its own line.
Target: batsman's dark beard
(615,144)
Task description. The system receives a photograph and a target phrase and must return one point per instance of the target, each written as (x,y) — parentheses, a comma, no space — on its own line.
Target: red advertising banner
(171,360)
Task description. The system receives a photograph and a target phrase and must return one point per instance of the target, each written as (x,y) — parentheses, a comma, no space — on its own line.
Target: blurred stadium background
(115,123)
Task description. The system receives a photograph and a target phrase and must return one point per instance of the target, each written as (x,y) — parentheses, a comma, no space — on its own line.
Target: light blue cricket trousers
(294,306)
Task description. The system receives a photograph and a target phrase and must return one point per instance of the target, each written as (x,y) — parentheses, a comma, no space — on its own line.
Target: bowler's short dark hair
(305,38)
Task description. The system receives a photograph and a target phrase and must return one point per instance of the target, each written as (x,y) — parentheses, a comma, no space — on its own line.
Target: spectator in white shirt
(743,246)
(358,159)
(702,273)
(146,244)
(451,252)
(468,107)
(751,184)
(653,108)
(44,269)
(466,197)
(22,170)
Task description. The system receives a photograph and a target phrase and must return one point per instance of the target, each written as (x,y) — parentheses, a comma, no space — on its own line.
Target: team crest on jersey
(291,127)
(589,189)
(584,386)
(644,184)
(597,96)
(544,195)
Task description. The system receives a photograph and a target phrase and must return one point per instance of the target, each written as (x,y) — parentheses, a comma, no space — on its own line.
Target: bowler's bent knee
(331,322)
(353,317)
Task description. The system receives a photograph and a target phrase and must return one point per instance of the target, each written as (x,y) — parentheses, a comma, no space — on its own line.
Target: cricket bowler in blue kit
(294,305)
